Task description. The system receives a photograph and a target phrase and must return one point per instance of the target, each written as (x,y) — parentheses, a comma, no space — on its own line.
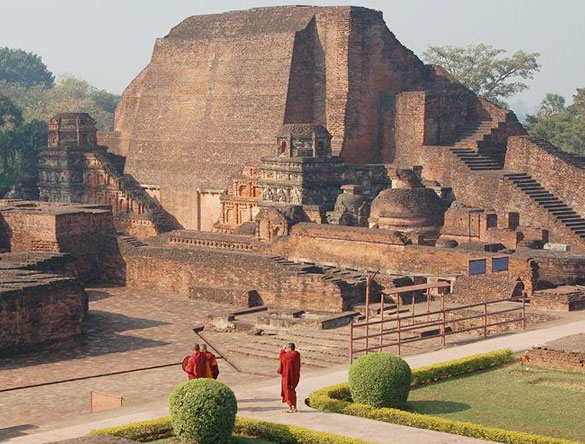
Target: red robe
(290,369)
(212,364)
(196,366)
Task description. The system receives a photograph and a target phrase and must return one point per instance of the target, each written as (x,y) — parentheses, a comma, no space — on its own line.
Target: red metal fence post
(382,321)
(351,342)
(367,309)
(523,310)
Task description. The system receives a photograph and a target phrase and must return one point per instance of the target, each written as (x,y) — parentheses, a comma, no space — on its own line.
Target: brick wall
(384,250)
(559,172)
(565,298)
(58,228)
(178,271)
(558,359)
(43,309)
(472,289)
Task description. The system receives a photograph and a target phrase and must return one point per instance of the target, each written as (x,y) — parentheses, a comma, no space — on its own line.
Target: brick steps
(333,356)
(340,335)
(472,133)
(476,161)
(539,194)
(306,361)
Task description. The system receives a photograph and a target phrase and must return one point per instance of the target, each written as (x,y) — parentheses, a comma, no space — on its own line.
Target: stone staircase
(555,206)
(329,273)
(472,133)
(467,146)
(475,161)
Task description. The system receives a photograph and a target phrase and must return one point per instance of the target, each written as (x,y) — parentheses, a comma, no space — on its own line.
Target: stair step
(547,200)
(515,175)
(565,212)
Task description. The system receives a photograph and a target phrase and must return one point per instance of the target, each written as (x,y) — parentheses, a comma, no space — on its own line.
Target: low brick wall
(178,270)
(558,359)
(36,308)
(567,298)
(472,289)
(234,296)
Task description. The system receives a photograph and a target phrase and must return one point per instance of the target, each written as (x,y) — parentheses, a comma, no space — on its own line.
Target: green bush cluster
(463,366)
(281,434)
(203,411)
(380,380)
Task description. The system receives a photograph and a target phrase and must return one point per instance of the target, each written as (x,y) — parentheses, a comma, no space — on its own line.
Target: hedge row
(337,399)
(143,431)
(285,434)
(160,428)
(463,366)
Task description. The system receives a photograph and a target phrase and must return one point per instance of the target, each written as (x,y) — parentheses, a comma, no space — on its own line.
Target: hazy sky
(108,42)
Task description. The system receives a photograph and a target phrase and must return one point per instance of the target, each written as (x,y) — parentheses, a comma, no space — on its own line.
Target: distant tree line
(29,97)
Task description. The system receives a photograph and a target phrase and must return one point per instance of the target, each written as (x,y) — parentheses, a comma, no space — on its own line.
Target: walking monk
(290,369)
(195,365)
(212,367)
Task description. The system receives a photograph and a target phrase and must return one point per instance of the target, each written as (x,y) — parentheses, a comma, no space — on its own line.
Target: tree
(70,94)
(24,68)
(10,115)
(564,127)
(18,154)
(484,70)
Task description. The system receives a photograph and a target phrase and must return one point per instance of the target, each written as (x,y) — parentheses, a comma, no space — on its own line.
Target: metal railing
(413,322)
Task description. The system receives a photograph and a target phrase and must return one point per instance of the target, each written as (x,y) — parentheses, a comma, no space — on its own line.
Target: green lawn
(539,401)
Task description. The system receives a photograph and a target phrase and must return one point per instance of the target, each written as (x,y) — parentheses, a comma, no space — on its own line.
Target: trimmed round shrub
(203,411)
(380,380)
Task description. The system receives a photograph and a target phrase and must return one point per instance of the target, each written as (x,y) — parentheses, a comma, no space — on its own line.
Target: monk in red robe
(290,370)
(196,365)
(212,367)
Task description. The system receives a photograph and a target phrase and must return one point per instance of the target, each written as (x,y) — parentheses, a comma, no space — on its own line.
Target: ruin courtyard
(274,175)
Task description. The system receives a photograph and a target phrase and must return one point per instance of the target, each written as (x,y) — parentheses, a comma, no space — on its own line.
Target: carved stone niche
(303,140)
(72,129)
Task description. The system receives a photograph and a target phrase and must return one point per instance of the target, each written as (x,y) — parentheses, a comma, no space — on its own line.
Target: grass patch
(544,402)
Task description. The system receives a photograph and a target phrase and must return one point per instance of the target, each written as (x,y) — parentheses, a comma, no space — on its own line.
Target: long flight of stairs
(475,161)
(472,133)
(560,210)
(466,146)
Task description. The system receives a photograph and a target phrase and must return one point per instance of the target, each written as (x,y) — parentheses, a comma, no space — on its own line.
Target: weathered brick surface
(472,289)
(37,307)
(567,354)
(564,298)
(218,76)
(44,227)
(559,172)
(179,270)
(381,249)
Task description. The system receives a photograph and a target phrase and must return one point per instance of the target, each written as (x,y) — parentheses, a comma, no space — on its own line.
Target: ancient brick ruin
(276,156)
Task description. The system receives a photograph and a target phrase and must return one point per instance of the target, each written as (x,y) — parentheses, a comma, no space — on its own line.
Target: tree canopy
(485,70)
(24,68)
(562,126)
(70,94)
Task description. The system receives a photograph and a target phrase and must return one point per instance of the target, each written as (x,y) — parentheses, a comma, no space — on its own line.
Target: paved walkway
(259,400)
